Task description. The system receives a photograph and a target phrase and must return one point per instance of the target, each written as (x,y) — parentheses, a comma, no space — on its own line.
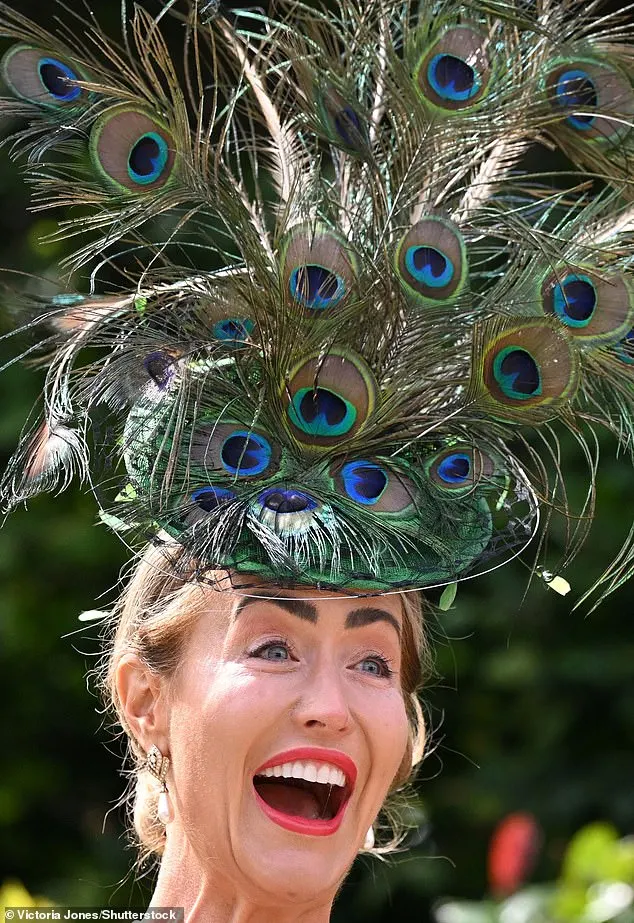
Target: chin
(297,867)
(298,873)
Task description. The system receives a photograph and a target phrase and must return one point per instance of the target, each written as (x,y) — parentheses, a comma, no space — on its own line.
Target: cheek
(391,736)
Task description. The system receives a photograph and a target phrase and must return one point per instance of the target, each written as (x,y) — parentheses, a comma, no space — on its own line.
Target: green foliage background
(532,707)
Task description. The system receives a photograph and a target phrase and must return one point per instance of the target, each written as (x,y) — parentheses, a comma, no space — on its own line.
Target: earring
(158,765)
(368,843)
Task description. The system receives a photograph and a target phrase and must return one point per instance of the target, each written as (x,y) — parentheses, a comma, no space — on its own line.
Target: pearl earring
(158,765)
(368,843)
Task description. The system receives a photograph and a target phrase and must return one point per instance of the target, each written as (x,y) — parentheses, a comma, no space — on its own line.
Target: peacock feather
(353,316)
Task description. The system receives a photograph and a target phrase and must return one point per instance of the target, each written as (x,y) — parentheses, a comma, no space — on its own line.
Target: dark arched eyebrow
(364,615)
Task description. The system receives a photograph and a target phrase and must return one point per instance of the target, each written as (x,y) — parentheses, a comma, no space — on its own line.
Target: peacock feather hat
(354,307)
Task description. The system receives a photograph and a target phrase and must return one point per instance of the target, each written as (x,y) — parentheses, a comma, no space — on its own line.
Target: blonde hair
(152,619)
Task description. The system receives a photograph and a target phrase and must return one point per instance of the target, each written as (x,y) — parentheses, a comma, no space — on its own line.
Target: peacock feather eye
(459,468)
(234,450)
(286,510)
(595,100)
(376,485)
(132,150)
(203,503)
(431,261)
(596,309)
(526,372)
(318,267)
(517,374)
(47,80)
(160,367)
(234,331)
(454,74)
(329,398)
(342,123)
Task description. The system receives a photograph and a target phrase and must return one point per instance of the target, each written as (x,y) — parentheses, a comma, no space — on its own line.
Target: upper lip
(317,755)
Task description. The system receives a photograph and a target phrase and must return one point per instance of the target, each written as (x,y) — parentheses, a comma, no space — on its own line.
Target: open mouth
(298,798)
(306,797)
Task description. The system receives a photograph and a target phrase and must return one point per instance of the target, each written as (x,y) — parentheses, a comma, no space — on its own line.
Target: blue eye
(452,79)
(316,287)
(210,498)
(321,412)
(246,454)
(378,666)
(517,373)
(55,76)
(148,158)
(575,89)
(233,329)
(575,300)
(276,651)
(455,468)
(364,481)
(429,266)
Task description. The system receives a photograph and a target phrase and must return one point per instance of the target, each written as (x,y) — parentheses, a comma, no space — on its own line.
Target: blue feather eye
(316,287)
(132,150)
(233,330)
(376,485)
(595,100)
(429,266)
(287,511)
(451,78)
(55,76)
(229,449)
(321,412)
(340,121)
(575,300)
(575,89)
(522,372)
(598,310)
(454,74)
(246,454)
(160,367)
(329,398)
(319,268)
(364,481)
(431,261)
(283,501)
(209,499)
(202,503)
(517,373)
(148,158)
(34,75)
(456,470)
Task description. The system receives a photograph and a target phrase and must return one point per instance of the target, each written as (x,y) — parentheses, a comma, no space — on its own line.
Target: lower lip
(302,824)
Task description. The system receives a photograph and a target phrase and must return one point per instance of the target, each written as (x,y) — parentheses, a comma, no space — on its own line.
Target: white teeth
(311,772)
(323,774)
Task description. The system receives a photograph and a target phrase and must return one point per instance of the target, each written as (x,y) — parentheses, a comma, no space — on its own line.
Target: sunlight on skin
(260,677)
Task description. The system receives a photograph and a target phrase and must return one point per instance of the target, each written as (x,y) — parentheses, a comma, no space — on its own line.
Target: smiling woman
(283,721)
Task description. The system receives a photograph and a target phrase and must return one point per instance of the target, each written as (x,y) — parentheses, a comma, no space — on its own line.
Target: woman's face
(308,685)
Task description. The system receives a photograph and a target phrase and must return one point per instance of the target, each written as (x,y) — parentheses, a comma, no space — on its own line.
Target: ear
(142,697)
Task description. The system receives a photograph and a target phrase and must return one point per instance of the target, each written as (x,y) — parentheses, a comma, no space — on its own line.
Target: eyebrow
(358,618)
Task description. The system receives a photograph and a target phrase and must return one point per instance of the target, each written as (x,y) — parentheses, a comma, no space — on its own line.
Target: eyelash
(385,664)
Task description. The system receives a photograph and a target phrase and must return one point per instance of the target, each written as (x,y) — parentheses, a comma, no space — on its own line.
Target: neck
(209,895)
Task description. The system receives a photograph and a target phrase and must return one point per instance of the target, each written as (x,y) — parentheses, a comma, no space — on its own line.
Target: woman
(284,722)
(342,297)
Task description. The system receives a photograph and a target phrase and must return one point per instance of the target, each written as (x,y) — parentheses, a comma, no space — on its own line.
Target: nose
(324,705)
